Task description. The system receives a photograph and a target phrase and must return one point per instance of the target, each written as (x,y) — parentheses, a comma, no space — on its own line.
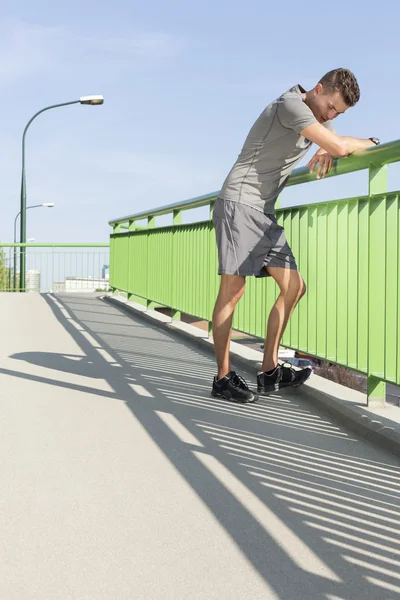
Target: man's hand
(324,160)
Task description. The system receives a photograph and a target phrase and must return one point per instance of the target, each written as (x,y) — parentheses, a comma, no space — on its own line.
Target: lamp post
(46,205)
(90,100)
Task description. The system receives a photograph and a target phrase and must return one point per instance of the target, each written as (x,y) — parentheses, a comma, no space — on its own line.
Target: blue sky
(183,83)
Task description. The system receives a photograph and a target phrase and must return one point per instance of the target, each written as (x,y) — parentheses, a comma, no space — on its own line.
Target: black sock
(219,380)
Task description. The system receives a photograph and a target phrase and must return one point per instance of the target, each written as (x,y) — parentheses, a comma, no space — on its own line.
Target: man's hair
(343,81)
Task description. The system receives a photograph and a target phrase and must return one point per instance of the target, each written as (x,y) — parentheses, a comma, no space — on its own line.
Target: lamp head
(91,100)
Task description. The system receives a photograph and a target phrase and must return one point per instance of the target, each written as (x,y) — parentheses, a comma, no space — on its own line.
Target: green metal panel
(311,282)
(138,271)
(363,285)
(178,267)
(342,282)
(321,287)
(351,272)
(377,292)
(397,293)
(120,275)
(331,283)
(341,247)
(392,285)
(160,266)
(112,258)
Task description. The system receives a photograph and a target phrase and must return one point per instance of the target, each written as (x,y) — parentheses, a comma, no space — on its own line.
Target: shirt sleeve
(294,114)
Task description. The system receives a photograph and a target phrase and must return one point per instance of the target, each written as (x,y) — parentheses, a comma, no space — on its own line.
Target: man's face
(327,105)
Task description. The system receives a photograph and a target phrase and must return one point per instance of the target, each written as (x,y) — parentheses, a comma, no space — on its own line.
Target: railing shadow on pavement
(314,509)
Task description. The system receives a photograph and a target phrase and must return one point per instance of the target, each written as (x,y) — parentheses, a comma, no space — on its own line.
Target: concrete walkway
(122,479)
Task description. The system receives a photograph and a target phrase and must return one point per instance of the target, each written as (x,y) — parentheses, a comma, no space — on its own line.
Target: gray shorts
(248,240)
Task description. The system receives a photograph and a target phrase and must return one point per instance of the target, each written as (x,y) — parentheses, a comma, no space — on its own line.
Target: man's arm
(332,143)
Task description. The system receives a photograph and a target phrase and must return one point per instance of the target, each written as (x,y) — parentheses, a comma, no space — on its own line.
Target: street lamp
(46,205)
(90,100)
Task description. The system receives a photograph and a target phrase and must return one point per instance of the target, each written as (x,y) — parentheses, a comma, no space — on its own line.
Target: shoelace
(238,381)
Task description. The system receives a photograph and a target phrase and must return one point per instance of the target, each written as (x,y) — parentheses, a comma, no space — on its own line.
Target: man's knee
(232,287)
(293,285)
(299,287)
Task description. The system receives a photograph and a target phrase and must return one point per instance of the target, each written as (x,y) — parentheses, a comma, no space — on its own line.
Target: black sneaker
(283,376)
(233,387)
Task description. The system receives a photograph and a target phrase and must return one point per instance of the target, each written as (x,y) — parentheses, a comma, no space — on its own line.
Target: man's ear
(319,88)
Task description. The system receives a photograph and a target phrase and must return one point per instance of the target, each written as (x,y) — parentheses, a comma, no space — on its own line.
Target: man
(249,240)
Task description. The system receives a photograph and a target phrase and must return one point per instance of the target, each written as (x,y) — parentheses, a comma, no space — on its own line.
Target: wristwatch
(375,140)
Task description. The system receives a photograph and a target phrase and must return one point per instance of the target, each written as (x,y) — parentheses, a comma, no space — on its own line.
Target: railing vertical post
(176,220)
(376,388)
(151,223)
(116,229)
(377,180)
(131,229)
(211,242)
(177,217)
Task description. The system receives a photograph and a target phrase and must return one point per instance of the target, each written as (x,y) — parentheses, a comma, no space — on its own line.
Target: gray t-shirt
(272,149)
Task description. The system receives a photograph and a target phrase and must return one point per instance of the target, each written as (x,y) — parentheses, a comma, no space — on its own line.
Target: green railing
(348,252)
(56,267)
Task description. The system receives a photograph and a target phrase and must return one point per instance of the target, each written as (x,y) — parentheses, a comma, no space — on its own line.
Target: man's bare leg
(292,288)
(231,290)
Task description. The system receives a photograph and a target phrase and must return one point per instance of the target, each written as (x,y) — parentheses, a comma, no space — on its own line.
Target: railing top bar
(60,245)
(377,156)
(169,208)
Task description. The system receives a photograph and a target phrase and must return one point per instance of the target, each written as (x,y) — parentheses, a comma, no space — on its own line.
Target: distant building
(32,280)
